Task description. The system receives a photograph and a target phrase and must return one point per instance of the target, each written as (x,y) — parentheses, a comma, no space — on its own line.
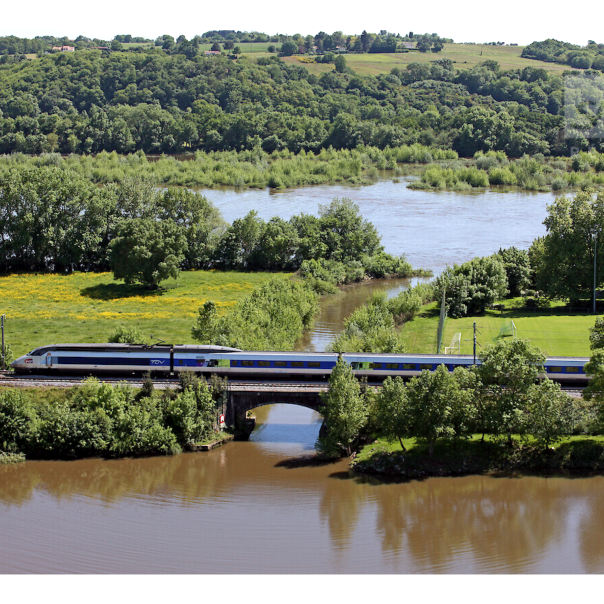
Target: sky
(520,37)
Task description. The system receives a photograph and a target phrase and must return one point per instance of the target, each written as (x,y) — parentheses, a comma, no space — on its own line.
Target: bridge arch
(239,403)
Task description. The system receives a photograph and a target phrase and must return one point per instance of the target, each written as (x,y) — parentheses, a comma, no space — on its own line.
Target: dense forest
(90,101)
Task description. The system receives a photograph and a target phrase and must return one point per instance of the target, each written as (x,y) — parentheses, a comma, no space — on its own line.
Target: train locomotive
(165,360)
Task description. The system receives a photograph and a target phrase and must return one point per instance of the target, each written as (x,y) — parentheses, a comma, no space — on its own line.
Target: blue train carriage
(379,366)
(276,364)
(566,370)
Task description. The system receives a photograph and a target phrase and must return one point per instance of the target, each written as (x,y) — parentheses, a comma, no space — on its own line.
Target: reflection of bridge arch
(242,401)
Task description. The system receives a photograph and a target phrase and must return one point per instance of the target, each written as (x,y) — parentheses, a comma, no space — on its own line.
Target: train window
(314,364)
(280,364)
(391,365)
(572,370)
(426,366)
(408,366)
(233,363)
(264,363)
(555,369)
(247,363)
(297,364)
(375,365)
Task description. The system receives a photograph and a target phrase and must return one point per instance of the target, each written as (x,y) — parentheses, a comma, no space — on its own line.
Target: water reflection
(240,509)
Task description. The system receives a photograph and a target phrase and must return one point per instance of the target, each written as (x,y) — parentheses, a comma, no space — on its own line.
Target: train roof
(111,347)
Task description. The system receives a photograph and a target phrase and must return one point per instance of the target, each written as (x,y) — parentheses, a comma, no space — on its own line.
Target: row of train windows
(397,366)
(310,364)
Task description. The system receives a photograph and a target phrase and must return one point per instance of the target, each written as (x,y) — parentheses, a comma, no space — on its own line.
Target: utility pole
(595,256)
(3,353)
(476,341)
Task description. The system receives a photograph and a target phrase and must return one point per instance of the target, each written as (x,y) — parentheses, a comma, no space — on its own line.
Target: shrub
(502,176)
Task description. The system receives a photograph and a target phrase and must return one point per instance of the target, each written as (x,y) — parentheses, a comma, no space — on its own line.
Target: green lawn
(88,307)
(552,330)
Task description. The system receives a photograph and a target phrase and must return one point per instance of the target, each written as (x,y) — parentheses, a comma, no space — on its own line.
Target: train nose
(24,362)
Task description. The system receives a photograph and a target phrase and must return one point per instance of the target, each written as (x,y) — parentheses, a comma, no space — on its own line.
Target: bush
(502,176)
(127,335)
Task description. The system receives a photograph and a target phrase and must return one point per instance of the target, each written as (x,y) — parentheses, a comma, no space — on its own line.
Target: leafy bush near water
(532,173)
(370,328)
(98,419)
(273,317)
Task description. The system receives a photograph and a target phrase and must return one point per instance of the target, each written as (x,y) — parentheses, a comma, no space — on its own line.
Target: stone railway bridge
(244,397)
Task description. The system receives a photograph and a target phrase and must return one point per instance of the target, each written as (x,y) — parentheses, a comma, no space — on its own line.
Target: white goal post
(508,329)
(455,345)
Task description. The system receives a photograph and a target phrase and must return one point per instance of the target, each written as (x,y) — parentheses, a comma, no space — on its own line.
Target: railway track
(12,380)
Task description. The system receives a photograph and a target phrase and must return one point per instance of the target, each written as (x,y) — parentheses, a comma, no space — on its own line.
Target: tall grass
(245,169)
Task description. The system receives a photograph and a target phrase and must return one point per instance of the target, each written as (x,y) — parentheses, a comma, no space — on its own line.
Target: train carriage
(129,359)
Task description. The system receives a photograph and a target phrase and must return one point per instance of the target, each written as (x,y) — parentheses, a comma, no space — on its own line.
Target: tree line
(590,56)
(55,220)
(501,397)
(87,102)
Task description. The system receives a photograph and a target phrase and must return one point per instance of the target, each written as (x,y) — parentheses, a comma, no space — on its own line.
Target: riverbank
(572,455)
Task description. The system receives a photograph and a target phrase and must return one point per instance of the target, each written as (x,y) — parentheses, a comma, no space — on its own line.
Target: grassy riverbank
(88,307)
(554,330)
(571,454)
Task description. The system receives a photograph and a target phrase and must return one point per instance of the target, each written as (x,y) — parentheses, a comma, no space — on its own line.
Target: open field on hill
(88,307)
(552,330)
(464,56)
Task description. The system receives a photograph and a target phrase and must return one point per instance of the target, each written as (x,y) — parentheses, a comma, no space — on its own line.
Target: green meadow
(553,330)
(464,56)
(88,307)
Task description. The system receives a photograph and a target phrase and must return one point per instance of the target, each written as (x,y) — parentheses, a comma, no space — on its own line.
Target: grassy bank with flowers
(87,307)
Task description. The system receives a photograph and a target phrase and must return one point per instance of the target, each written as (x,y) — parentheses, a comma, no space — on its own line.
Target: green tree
(288,49)
(517,268)
(393,416)
(346,235)
(508,370)
(596,334)
(434,397)
(473,286)
(206,329)
(344,411)
(340,64)
(574,226)
(147,251)
(548,413)
(192,414)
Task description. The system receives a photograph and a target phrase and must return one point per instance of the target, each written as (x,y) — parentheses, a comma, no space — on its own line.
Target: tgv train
(164,360)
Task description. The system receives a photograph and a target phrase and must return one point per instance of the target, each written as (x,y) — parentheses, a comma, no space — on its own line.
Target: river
(241,509)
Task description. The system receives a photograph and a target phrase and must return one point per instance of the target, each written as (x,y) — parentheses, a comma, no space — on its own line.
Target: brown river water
(240,509)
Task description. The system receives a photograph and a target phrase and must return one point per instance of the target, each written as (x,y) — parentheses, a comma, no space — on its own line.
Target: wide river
(240,509)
